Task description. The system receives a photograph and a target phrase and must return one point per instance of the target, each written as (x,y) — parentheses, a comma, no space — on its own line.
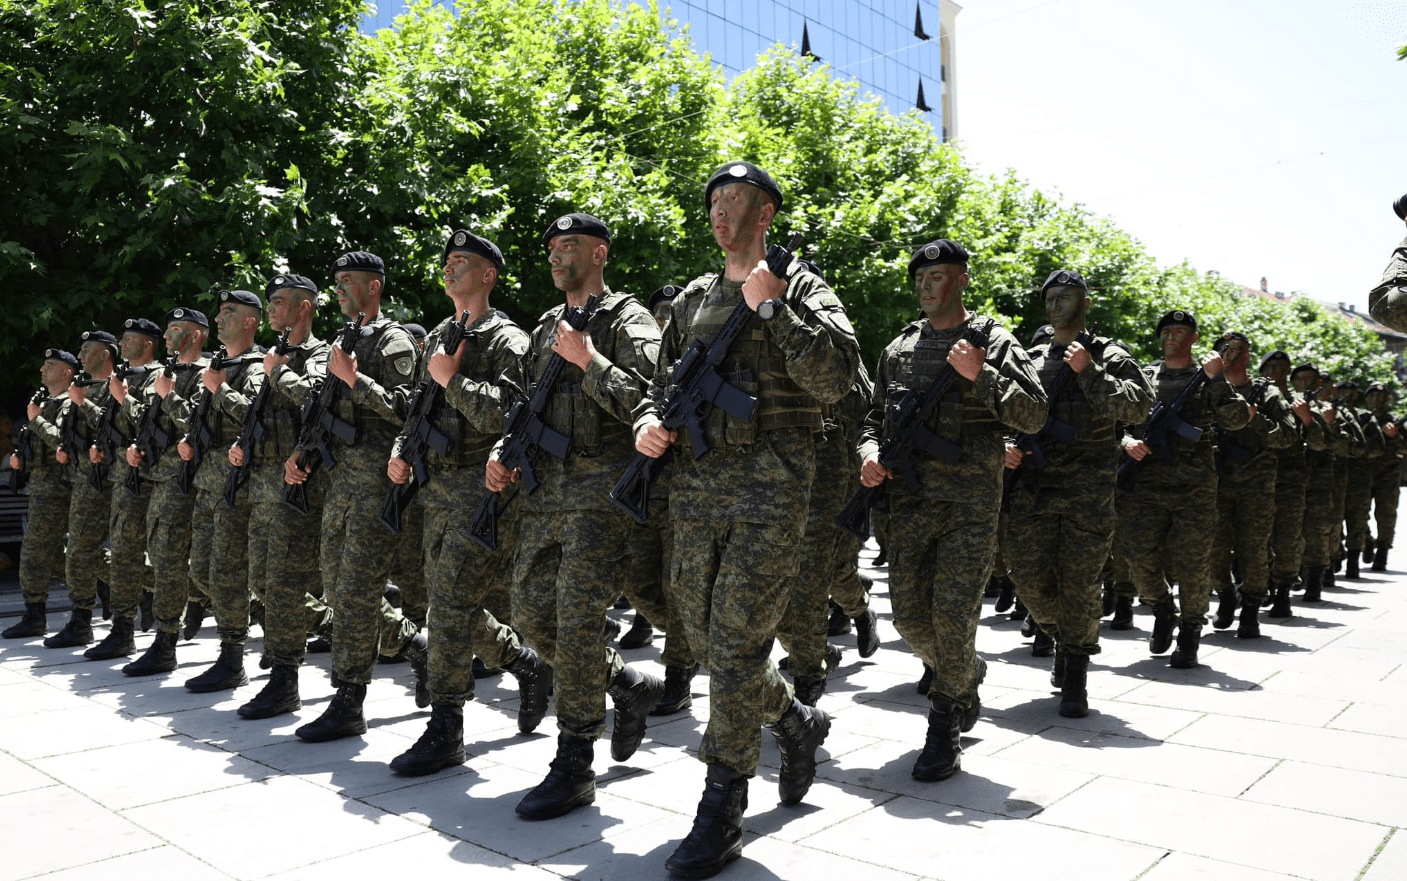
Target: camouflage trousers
(1387,486)
(283,567)
(220,559)
(1341,471)
(89,511)
(646,583)
(847,589)
(129,575)
(567,574)
(1243,508)
(42,552)
(408,570)
(1118,566)
(460,575)
(355,559)
(1287,535)
(802,631)
(940,558)
(169,517)
(1056,558)
(1358,502)
(1169,533)
(731,580)
(1321,526)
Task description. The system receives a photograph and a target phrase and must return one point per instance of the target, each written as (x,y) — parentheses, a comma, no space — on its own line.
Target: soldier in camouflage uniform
(740,508)
(89,506)
(1321,521)
(1388,301)
(284,543)
(459,572)
(1386,478)
(129,576)
(1348,446)
(573,540)
(1172,501)
(357,549)
(848,590)
(1247,461)
(41,554)
(1358,493)
(1061,524)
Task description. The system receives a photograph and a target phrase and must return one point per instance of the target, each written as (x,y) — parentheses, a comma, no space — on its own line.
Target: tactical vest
(570,410)
(1071,406)
(281,424)
(918,362)
(369,357)
(1166,388)
(469,447)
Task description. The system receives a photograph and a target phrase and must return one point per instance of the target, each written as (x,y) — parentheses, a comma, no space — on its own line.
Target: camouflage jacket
(1192,462)
(1388,301)
(46,475)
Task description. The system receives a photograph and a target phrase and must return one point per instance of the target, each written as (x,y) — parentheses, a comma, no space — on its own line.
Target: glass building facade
(899,50)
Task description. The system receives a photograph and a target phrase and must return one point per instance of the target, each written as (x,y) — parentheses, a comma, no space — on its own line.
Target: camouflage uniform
(740,510)
(1061,525)
(89,510)
(1346,457)
(846,588)
(1171,505)
(129,575)
(646,576)
(1321,489)
(42,553)
(1289,532)
(1388,301)
(1386,481)
(408,570)
(1358,498)
(573,540)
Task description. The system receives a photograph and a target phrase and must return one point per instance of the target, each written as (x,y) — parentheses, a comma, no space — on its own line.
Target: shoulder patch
(404,366)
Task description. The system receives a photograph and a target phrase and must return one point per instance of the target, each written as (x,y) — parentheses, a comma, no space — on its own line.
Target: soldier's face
(662,313)
(1177,339)
(1066,306)
(356,292)
(735,210)
(55,373)
(1236,354)
(233,321)
(1277,370)
(92,355)
(181,337)
(1374,400)
(1305,381)
(134,345)
(939,287)
(283,308)
(570,258)
(466,274)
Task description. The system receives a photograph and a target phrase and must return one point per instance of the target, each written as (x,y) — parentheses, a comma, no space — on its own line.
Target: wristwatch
(769,309)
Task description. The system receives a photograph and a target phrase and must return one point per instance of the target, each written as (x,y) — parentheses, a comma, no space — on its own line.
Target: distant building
(1392,340)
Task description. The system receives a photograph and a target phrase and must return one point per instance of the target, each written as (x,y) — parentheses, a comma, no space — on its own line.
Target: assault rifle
(1227,450)
(524,433)
(108,438)
(911,437)
(253,432)
(1061,432)
(421,434)
(1164,421)
(695,387)
(24,444)
(320,423)
(200,434)
(151,439)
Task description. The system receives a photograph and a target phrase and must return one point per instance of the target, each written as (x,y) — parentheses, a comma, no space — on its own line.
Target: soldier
(1388,301)
(1358,493)
(573,540)
(89,506)
(1247,461)
(1172,499)
(1290,529)
(739,510)
(1061,525)
(849,589)
(1321,521)
(1347,447)
(357,550)
(459,573)
(1386,479)
(129,576)
(41,554)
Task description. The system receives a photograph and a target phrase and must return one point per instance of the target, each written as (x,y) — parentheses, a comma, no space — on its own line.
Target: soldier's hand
(32,411)
(292,474)
(343,366)
(1330,415)
(163,384)
(761,285)
(1136,449)
(96,456)
(237,456)
(573,345)
(443,367)
(78,394)
(1390,429)
(1077,356)
(118,389)
(967,359)
(1302,410)
(1254,410)
(14,462)
(185,451)
(134,456)
(872,473)
(1213,365)
(1014,456)
(273,359)
(497,476)
(212,380)
(61,456)
(398,470)
(653,439)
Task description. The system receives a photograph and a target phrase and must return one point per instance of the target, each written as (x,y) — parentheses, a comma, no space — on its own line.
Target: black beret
(60,355)
(1277,355)
(1177,316)
(1375,387)
(938,251)
(464,240)
(98,336)
(182,313)
(416,330)
(142,325)
(746,172)
(1400,207)
(577,224)
(1065,277)
(1348,385)
(1227,336)
(664,295)
(242,298)
(1301,368)
(1043,333)
(279,282)
(359,261)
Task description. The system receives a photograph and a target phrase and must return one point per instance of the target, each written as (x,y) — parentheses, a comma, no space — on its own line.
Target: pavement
(1282,757)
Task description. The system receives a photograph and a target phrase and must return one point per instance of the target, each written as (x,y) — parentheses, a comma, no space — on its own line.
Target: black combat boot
(417,651)
(634,695)
(278,696)
(1123,614)
(117,644)
(342,718)
(147,619)
(1368,552)
(105,599)
(227,671)
(611,627)
(1380,558)
(1006,596)
(78,631)
(1018,611)
(1328,579)
(1106,600)
(1028,626)
(1164,622)
(1249,626)
(809,689)
(1313,585)
(195,616)
(160,657)
(1044,644)
(942,748)
(838,624)
(441,746)
(1189,636)
(569,784)
(1280,594)
(640,634)
(534,685)
(1074,697)
(1351,562)
(34,623)
(799,733)
(717,836)
(925,681)
(974,701)
(993,588)
(1225,609)
(677,690)
(867,633)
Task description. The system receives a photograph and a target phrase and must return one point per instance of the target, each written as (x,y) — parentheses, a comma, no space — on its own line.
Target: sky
(1251,137)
